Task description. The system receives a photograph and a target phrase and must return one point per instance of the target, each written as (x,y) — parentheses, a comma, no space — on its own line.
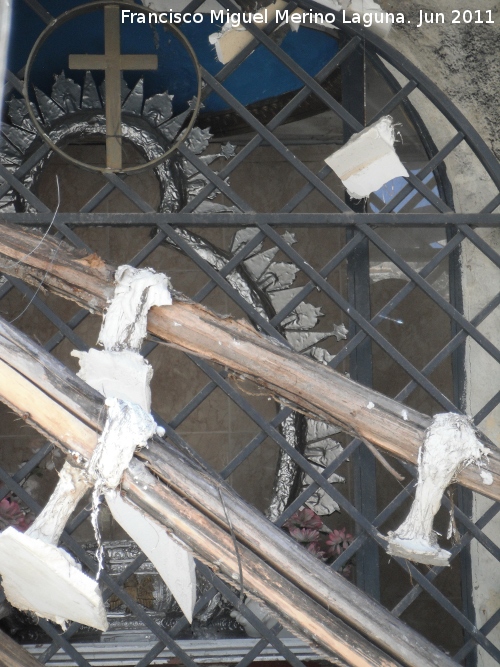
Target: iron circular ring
(85,9)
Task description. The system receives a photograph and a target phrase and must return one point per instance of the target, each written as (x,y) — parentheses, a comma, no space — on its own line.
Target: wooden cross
(113,62)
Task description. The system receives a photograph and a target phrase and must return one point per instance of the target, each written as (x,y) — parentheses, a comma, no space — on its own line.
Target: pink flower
(304,518)
(338,541)
(315,549)
(304,535)
(11,514)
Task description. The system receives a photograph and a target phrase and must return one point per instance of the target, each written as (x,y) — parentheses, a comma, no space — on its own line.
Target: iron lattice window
(356,234)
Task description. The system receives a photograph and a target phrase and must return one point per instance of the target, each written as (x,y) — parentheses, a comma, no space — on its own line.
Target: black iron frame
(361,226)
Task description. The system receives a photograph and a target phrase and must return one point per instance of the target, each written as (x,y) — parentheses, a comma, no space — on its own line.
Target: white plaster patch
(450,444)
(174,563)
(125,374)
(125,322)
(370,405)
(487,477)
(404,414)
(39,577)
(233,38)
(368,160)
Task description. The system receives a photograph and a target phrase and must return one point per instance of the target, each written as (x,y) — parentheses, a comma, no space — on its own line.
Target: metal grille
(422,588)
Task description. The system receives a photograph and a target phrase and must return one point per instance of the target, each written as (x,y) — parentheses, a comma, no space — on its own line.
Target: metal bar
(29,466)
(452,345)
(280,117)
(343,254)
(221,282)
(245,611)
(487,408)
(235,260)
(359,319)
(235,220)
(490,624)
(274,142)
(99,196)
(31,162)
(300,73)
(494,203)
(430,90)
(394,101)
(49,313)
(40,11)
(215,179)
(131,194)
(431,293)
(433,164)
(363,468)
(40,206)
(481,244)
(399,297)
(442,181)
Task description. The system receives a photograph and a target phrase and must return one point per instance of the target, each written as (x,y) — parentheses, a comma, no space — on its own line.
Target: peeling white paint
(450,444)
(368,160)
(125,322)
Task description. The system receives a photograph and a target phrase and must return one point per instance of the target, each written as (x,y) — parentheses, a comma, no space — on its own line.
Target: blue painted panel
(259,77)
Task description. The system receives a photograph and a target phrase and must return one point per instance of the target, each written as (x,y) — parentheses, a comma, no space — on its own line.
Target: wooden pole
(302,382)
(61,406)
(13,655)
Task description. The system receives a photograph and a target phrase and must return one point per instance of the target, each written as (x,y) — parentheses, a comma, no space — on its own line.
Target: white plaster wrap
(40,577)
(368,160)
(125,322)
(126,375)
(450,444)
(123,376)
(127,427)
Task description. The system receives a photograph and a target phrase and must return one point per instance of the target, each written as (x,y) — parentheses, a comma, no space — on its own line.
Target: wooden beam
(188,501)
(302,382)
(13,655)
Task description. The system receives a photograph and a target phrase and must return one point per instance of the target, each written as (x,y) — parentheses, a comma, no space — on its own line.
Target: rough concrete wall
(463,60)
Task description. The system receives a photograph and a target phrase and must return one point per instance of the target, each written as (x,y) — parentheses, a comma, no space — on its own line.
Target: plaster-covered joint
(125,322)
(450,444)
(123,376)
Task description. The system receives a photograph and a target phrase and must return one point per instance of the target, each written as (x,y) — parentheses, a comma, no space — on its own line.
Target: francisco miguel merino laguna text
(282,16)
